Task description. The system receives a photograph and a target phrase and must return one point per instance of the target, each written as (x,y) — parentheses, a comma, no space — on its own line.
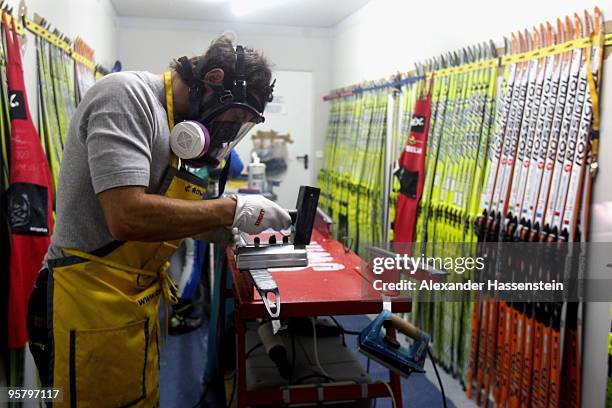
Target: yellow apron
(103,312)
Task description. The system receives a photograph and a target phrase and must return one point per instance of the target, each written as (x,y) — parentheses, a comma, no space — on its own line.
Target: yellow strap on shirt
(169,98)
(174,162)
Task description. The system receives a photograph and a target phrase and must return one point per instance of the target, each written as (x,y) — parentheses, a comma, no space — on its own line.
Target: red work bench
(310,292)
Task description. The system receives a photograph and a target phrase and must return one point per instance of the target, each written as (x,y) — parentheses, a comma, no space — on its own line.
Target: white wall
(386,36)
(150,44)
(92,20)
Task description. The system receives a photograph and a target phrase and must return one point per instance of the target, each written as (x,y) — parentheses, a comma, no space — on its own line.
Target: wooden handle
(405,327)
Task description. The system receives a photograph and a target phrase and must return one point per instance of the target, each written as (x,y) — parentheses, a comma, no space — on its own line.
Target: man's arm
(133,215)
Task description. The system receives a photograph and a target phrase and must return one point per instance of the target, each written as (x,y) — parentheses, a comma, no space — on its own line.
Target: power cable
(433,361)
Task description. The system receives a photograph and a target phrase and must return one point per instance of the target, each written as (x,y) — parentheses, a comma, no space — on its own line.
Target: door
(290,113)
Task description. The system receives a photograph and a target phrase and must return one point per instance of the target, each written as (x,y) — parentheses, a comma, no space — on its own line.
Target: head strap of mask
(192,76)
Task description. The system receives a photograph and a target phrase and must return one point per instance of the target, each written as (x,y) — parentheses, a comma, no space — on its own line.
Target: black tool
(307,202)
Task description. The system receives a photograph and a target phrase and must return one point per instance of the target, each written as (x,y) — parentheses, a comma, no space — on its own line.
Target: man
(124,202)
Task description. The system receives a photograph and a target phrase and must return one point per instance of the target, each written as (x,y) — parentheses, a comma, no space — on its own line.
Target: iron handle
(405,327)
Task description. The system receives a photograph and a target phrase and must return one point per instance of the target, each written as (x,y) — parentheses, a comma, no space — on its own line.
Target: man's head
(227,90)
(218,66)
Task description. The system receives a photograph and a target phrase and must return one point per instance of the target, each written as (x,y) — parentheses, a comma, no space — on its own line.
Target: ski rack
(40,31)
(501,60)
(394,82)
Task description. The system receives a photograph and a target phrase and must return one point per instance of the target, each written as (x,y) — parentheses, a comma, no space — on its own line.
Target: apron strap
(224,175)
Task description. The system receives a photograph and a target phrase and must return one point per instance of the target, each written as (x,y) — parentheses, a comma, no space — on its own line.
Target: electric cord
(341,330)
(368,371)
(203,396)
(207,387)
(433,361)
(252,349)
(390,393)
(316,350)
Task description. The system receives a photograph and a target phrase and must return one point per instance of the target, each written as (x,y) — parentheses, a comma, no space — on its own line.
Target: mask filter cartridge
(189,140)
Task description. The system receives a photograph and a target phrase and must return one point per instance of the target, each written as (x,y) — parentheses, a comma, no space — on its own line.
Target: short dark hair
(221,54)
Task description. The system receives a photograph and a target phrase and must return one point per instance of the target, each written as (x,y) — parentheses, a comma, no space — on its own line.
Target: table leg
(396,386)
(395,379)
(241,361)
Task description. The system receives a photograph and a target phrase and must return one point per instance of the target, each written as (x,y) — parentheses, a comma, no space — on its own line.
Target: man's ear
(215,76)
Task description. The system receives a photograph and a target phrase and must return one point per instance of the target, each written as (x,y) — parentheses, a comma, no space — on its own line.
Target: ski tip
(598,26)
(465,55)
(529,40)
(493,49)
(578,26)
(483,51)
(507,46)
(550,37)
(535,38)
(520,42)
(560,32)
(544,41)
(568,29)
(588,24)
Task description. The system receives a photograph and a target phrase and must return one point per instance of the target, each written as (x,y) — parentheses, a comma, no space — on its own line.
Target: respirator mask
(213,128)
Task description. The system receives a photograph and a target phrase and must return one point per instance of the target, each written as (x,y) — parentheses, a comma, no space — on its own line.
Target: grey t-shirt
(118,136)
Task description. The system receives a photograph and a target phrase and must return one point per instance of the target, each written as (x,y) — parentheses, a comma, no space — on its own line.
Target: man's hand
(133,215)
(255,213)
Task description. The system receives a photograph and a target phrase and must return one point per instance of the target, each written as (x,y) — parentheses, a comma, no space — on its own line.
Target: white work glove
(255,213)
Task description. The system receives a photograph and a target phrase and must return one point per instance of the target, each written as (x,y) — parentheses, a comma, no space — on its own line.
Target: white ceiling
(300,13)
